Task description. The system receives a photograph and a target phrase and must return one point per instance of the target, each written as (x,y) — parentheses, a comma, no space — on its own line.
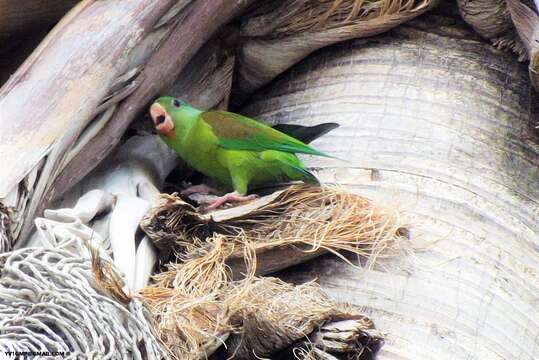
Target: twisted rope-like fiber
(6,221)
(49,301)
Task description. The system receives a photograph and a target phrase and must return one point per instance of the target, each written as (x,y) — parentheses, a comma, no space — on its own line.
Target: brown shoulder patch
(226,126)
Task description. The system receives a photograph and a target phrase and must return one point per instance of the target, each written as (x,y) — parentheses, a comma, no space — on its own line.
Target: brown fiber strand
(195,302)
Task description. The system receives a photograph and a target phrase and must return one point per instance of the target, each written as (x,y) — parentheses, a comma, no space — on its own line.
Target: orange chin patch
(161,120)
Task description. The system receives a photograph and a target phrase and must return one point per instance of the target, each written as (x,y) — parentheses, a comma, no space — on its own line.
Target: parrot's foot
(233,197)
(199,189)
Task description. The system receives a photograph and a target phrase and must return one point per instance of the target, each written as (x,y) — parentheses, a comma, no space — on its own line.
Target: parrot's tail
(305,134)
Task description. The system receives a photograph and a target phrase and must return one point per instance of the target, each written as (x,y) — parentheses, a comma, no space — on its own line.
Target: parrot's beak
(162,121)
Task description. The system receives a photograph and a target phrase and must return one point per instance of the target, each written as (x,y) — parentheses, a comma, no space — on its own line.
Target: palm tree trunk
(437,122)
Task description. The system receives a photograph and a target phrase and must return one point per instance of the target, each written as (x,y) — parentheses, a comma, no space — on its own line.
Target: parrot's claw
(233,197)
(198,189)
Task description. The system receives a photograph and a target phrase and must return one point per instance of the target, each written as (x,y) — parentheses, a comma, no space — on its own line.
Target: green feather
(307,176)
(237,132)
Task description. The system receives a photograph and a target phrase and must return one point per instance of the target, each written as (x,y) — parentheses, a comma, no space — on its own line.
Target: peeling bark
(52,98)
(71,91)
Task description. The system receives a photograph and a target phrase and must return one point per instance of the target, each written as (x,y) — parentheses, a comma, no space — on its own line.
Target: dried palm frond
(171,221)
(301,222)
(316,15)
(354,338)
(107,278)
(187,303)
(195,313)
(7,220)
(296,28)
(274,317)
(187,326)
(196,303)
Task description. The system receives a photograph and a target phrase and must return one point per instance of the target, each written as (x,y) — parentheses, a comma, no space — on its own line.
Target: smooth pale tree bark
(61,112)
(440,124)
(59,89)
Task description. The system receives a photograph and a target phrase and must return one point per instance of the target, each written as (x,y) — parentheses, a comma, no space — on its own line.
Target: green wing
(237,132)
(305,174)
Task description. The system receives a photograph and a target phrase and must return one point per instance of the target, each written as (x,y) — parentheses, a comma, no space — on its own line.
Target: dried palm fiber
(285,228)
(197,307)
(294,29)
(50,301)
(77,127)
(277,319)
(186,301)
(443,124)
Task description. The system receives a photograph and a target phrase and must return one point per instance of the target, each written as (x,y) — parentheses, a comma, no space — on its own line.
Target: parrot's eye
(176,103)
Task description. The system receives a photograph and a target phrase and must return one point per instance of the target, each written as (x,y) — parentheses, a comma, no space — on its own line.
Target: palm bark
(294,29)
(80,89)
(59,89)
(442,125)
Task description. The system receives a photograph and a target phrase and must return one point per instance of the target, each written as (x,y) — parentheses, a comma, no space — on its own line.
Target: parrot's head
(166,112)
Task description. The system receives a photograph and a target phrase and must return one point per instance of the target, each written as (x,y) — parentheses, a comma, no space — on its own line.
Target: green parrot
(237,151)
